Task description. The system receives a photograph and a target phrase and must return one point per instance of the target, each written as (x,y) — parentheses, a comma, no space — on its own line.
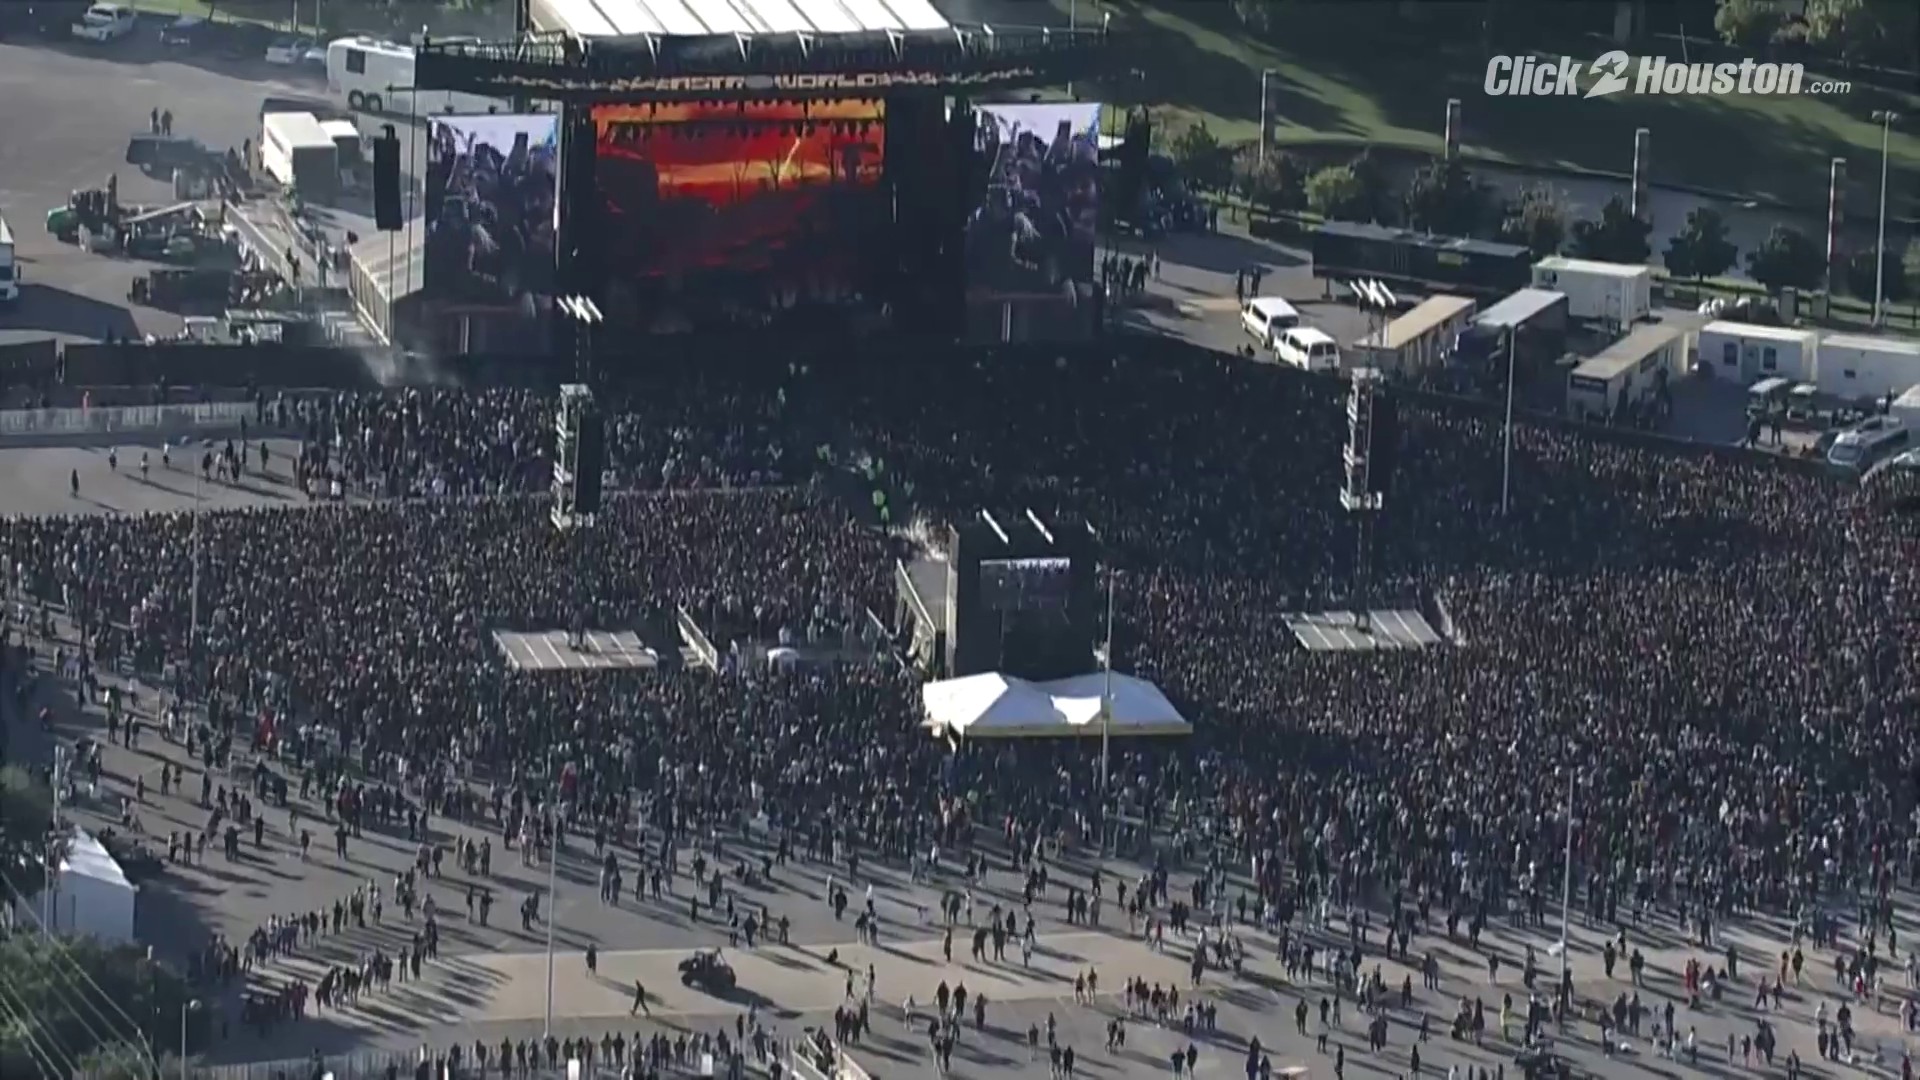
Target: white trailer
(9,266)
(1614,294)
(1858,367)
(1745,352)
(1906,408)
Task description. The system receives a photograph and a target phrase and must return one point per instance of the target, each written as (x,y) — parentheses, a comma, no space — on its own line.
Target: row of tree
(1444,197)
(74,1006)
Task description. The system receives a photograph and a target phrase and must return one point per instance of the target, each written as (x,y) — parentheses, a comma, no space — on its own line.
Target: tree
(1538,219)
(1788,259)
(1201,157)
(1701,250)
(89,998)
(1617,237)
(26,815)
(1860,275)
(1749,24)
(1334,192)
(1277,185)
(1376,201)
(1443,198)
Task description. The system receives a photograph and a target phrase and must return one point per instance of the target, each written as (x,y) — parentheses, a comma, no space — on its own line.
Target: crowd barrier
(287,367)
(128,419)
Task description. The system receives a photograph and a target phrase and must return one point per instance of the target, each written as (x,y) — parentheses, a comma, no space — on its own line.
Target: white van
(1308,349)
(1265,317)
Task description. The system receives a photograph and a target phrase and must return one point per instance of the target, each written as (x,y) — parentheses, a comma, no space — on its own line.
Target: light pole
(1886,118)
(1106,720)
(186,1007)
(553,901)
(1265,96)
(1506,450)
(1566,884)
(193,601)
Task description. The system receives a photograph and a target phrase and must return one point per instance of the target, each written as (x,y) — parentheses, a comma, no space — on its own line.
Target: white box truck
(1861,367)
(9,266)
(1615,294)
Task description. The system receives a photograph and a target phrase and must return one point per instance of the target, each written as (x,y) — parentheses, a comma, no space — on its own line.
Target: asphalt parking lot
(70,109)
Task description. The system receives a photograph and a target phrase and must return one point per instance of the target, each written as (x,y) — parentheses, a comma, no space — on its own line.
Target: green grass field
(1334,86)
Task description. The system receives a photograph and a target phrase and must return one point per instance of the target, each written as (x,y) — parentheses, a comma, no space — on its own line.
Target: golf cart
(705,970)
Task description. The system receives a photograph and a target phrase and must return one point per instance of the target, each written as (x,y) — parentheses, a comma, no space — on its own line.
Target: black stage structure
(926,81)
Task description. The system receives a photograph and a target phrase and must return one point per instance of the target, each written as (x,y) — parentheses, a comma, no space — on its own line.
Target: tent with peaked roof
(997,706)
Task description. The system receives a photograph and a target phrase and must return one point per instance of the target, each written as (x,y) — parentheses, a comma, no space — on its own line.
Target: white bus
(298,152)
(375,76)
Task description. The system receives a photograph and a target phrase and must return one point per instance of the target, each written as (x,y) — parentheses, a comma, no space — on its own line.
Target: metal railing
(125,418)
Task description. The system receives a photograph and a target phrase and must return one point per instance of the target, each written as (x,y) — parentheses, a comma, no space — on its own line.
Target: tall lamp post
(1265,96)
(1106,720)
(1566,889)
(1506,446)
(553,900)
(186,1008)
(1886,117)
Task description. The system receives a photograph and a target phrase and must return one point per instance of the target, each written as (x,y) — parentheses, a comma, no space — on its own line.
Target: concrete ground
(70,110)
(491,980)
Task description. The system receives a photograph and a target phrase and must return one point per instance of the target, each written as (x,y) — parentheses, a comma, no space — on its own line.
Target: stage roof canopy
(996,706)
(692,18)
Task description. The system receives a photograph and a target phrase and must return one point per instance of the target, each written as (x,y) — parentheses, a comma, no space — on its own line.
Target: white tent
(91,898)
(996,706)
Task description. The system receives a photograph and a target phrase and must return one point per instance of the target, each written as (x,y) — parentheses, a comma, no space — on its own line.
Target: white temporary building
(91,897)
(996,706)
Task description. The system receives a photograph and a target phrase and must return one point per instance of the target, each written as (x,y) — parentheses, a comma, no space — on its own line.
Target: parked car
(288,51)
(105,22)
(185,32)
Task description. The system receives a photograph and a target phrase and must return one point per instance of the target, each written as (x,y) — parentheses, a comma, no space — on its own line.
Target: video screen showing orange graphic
(789,189)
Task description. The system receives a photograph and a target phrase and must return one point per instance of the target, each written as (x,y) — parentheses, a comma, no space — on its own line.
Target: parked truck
(1614,294)
(9,266)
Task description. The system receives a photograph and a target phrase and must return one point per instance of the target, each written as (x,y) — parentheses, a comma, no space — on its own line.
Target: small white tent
(91,898)
(995,706)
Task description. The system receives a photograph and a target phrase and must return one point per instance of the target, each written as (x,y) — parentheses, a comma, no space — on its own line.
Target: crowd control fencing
(126,419)
(408,1066)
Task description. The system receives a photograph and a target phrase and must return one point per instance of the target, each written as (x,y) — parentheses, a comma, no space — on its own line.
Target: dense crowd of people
(1714,656)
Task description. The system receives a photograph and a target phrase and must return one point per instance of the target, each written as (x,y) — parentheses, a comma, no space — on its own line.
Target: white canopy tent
(996,706)
(91,895)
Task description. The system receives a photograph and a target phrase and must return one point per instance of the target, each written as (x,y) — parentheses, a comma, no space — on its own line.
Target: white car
(105,22)
(288,51)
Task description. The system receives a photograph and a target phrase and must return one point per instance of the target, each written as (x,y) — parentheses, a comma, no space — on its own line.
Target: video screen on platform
(1033,224)
(1040,584)
(741,214)
(490,209)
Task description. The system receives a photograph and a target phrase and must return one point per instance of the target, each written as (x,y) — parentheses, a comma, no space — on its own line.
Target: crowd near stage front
(777,190)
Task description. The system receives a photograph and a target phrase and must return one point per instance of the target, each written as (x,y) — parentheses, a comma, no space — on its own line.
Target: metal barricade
(127,419)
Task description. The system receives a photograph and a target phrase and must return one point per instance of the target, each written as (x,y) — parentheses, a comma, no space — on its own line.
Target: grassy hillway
(1385,82)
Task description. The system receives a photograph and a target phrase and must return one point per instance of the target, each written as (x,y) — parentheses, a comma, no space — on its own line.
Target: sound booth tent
(996,706)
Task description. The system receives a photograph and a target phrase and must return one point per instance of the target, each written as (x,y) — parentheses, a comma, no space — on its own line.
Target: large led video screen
(741,213)
(490,209)
(1033,223)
